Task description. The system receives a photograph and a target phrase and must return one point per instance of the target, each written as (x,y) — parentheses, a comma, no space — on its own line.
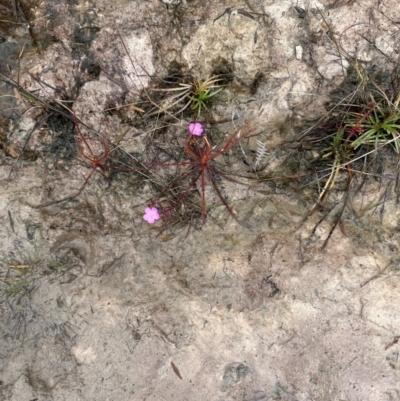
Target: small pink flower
(195,129)
(151,214)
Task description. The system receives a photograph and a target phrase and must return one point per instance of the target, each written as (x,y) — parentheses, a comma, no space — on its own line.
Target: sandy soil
(98,305)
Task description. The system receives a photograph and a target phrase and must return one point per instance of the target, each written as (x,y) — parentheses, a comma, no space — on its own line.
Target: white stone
(299,52)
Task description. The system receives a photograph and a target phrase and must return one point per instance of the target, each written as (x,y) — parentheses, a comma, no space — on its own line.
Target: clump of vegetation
(194,95)
(362,127)
(202,91)
(15,281)
(180,184)
(21,274)
(178,201)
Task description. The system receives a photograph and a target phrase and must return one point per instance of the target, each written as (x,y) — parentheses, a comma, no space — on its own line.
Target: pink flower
(195,129)
(151,214)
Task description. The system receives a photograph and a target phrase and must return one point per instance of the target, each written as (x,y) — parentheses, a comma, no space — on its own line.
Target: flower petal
(195,129)
(151,215)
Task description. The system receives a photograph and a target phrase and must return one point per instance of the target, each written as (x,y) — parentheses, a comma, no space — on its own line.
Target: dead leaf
(176,370)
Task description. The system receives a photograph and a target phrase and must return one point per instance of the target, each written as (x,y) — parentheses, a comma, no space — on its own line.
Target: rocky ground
(95,304)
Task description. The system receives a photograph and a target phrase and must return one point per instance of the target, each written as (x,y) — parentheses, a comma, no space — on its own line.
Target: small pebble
(299,52)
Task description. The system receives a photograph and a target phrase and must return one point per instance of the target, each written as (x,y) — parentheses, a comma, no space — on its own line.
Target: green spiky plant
(203,91)
(380,127)
(194,94)
(377,125)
